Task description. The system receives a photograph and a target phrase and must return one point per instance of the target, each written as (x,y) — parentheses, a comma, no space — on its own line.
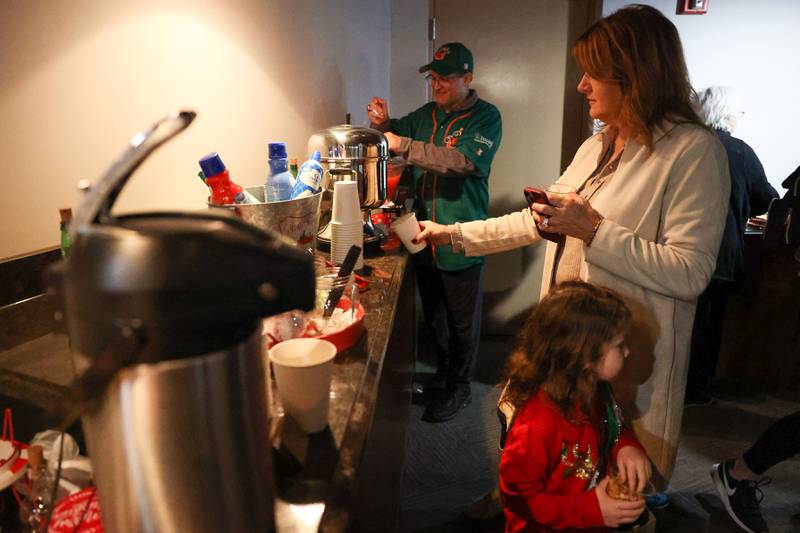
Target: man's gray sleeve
(440,160)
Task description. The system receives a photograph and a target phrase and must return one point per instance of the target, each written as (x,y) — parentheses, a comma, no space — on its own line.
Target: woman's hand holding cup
(436,234)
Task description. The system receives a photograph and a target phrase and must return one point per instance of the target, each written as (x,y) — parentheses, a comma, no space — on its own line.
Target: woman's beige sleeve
(499,234)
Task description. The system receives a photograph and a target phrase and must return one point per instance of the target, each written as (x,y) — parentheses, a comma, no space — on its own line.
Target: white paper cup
(346,207)
(406,227)
(303,370)
(271,411)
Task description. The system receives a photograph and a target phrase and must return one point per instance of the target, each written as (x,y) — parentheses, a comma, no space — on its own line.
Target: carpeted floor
(450,465)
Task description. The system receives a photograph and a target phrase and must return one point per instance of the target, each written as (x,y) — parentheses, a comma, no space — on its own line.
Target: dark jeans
(452,302)
(707,335)
(779,442)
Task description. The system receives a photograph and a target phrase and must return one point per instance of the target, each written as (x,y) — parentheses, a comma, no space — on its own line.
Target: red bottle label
(223,189)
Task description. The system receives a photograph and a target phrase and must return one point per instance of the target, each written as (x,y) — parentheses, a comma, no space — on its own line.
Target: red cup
(394,170)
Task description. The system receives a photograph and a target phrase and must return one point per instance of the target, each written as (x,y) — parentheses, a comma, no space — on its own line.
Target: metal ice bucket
(297,219)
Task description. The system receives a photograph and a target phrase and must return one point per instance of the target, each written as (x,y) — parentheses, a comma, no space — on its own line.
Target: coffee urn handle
(97,203)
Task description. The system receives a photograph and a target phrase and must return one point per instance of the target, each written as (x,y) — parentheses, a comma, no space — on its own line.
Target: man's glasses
(435,78)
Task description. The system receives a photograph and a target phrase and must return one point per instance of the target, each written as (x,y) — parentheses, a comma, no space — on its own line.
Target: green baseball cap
(449,59)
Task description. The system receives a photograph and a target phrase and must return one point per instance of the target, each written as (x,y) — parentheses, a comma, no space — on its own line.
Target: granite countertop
(38,372)
(315,475)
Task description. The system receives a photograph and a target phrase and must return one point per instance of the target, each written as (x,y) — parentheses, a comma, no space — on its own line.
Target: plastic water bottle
(309,178)
(224,190)
(280,181)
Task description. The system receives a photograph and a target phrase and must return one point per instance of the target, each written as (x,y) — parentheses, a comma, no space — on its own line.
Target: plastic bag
(50,440)
(76,470)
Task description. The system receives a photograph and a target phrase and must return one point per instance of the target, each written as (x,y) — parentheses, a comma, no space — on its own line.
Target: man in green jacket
(451,143)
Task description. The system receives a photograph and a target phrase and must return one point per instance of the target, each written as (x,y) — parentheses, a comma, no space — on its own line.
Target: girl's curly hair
(560,344)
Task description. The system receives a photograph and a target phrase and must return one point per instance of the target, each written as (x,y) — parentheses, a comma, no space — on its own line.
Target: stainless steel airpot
(167,309)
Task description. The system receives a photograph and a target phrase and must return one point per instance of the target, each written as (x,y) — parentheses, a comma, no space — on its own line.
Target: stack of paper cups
(346,226)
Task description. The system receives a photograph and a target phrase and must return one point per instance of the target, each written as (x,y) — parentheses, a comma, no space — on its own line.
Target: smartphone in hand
(535,195)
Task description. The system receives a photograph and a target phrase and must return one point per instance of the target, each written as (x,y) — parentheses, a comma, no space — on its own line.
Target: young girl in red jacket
(567,431)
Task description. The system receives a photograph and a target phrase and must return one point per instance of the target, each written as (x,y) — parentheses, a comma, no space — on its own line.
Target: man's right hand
(378,111)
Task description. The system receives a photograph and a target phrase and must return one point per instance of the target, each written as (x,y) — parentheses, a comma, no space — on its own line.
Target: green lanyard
(610,429)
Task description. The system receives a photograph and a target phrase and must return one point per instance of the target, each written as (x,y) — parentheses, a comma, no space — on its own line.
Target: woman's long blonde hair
(560,344)
(639,49)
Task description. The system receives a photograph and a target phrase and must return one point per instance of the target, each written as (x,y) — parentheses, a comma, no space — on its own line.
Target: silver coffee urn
(351,153)
(166,308)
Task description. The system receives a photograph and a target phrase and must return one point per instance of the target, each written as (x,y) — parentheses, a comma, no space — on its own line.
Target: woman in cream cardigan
(646,218)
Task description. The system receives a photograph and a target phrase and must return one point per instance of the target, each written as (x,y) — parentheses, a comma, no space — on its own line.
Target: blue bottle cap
(316,155)
(277,150)
(212,164)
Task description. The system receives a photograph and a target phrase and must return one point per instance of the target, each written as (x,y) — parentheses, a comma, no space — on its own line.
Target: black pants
(452,302)
(779,442)
(707,335)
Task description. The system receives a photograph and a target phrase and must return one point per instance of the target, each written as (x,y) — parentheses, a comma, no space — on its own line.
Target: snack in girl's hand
(620,491)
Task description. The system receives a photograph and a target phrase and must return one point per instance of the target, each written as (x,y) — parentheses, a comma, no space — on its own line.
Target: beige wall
(80,78)
(409,51)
